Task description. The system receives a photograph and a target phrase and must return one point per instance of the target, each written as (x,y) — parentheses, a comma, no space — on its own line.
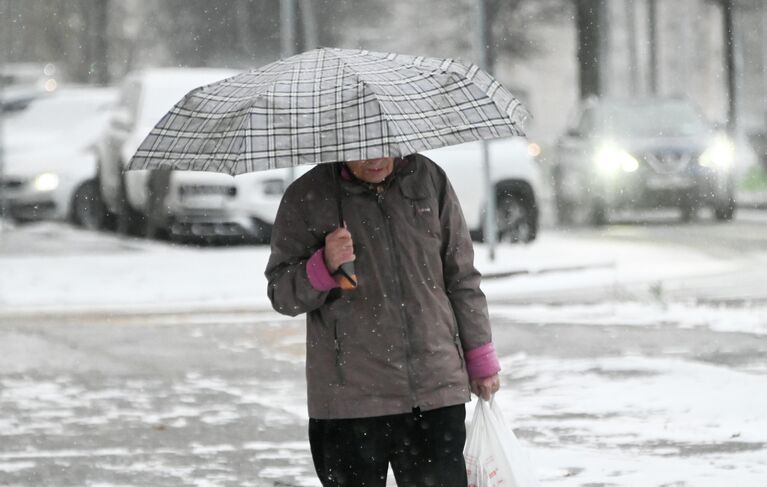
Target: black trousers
(425,449)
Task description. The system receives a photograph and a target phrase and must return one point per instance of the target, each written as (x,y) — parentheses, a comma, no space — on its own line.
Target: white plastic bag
(494,457)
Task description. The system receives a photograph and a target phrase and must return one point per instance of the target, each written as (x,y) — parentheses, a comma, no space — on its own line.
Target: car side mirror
(121,119)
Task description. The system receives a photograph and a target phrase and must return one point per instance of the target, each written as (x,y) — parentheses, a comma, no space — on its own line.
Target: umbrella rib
(385,115)
(328,105)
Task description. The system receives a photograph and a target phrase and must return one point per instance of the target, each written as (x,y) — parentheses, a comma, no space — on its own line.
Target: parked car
(203,204)
(516,182)
(642,154)
(24,82)
(49,170)
(190,203)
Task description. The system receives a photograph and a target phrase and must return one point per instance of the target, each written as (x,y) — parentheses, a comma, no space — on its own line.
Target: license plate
(669,181)
(209,201)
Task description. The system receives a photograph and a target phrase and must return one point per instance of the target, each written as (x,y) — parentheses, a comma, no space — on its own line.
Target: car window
(661,119)
(586,124)
(160,93)
(58,113)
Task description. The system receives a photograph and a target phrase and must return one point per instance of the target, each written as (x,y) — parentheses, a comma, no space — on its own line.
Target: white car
(198,203)
(204,204)
(516,179)
(49,170)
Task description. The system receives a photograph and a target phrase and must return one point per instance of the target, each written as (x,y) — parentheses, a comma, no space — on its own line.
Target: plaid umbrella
(329,105)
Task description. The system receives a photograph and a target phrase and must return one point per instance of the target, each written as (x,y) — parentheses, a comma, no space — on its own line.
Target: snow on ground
(132,275)
(747,319)
(635,421)
(610,421)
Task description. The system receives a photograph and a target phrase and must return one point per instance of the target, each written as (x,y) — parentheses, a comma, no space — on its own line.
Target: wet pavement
(110,402)
(605,386)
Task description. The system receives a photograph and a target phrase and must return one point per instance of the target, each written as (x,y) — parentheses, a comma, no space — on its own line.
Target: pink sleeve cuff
(319,275)
(482,361)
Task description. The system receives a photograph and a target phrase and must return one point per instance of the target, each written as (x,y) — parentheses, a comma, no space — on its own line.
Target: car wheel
(725,211)
(129,221)
(688,208)
(563,206)
(598,213)
(153,231)
(564,210)
(515,218)
(87,208)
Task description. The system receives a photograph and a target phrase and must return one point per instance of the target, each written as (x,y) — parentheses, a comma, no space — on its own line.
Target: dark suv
(642,154)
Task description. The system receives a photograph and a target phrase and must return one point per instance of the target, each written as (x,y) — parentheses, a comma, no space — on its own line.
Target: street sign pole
(288,42)
(490,232)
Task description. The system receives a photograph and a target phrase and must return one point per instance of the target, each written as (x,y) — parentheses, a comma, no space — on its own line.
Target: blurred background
(555,55)
(624,269)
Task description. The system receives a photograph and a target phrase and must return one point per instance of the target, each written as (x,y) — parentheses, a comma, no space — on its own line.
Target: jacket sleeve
(293,243)
(462,279)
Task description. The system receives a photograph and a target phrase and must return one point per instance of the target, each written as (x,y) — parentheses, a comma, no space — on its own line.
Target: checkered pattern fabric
(329,105)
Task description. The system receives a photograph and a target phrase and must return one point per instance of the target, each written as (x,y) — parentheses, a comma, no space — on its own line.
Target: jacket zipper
(398,282)
(337,342)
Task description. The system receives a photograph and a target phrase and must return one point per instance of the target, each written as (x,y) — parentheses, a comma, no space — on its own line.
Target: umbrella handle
(348,278)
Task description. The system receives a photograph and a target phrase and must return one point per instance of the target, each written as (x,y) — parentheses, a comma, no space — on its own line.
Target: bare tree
(590,24)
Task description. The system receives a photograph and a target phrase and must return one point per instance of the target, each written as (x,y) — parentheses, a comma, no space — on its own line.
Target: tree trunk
(97,41)
(729,60)
(589,20)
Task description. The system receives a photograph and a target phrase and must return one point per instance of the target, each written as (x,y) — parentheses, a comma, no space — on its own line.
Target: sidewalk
(75,272)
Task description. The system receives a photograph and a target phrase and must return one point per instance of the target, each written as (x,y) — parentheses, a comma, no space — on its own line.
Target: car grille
(669,162)
(206,189)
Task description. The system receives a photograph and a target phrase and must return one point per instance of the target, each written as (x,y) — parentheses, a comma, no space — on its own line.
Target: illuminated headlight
(720,155)
(611,159)
(46,182)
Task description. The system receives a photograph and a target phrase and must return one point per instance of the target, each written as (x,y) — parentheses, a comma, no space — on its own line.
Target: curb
(548,270)
(195,312)
(121,314)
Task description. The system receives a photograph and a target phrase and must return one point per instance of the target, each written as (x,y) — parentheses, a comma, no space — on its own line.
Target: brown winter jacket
(396,341)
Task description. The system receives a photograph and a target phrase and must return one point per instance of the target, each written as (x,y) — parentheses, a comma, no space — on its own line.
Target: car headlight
(610,159)
(46,182)
(720,155)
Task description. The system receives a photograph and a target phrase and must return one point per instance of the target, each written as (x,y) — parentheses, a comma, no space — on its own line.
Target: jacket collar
(403,167)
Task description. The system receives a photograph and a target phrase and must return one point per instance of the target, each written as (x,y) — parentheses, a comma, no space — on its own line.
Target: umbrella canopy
(329,105)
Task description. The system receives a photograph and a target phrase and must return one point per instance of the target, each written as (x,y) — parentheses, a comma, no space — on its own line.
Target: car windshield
(671,119)
(57,113)
(161,92)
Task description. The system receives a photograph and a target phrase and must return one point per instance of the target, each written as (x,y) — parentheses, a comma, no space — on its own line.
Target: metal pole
(309,22)
(4,14)
(652,21)
(729,53)
(287,27)
(631,31)
(288,42)
(482,46)
(99,42)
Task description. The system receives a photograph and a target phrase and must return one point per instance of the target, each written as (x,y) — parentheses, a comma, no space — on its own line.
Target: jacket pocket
(457,338)
(459,349)
(424,208)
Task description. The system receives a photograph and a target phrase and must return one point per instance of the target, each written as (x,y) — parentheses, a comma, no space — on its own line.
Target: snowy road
(645,364)
(203,403)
